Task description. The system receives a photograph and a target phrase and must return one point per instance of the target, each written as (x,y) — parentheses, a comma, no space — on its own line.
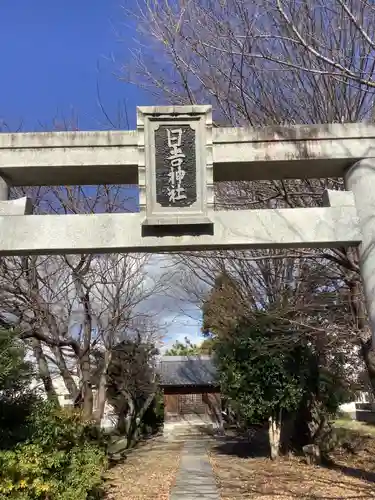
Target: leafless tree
(334,38)
(234,54)
(67,306)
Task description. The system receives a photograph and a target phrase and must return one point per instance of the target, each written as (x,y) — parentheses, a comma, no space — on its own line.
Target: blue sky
(54,56)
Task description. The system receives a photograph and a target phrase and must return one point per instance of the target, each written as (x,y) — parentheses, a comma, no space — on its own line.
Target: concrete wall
(109,420)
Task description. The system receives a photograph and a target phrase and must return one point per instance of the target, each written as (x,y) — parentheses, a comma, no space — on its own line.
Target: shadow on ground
(118,450)
(252,444)
(354,472)
(243,470)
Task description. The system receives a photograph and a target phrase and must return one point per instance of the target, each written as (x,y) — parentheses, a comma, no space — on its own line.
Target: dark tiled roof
(187,370)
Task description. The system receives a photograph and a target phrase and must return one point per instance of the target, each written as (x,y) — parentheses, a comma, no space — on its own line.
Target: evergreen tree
(16,397)
(183,349)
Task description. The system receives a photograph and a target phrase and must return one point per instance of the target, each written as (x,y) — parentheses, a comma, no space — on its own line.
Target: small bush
(62,460)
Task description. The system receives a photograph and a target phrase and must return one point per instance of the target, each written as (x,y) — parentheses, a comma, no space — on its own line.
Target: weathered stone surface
(334,198)
(162,167)
(361,181)
(195,477)
(312,454)
(21,206)
(175,170)
(239,154)
(118,444)
(302,227)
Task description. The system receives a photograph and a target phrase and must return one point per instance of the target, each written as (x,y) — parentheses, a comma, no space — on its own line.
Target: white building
(109,419)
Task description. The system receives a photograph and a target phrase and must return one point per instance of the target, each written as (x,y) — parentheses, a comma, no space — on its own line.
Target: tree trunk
(367,350)
(102,388)
(87,395)
(65,372)
(85,364)
(274,434)
(368,355)
(43,370)
(83,294)
(133,418)
(135,423)
(145,406)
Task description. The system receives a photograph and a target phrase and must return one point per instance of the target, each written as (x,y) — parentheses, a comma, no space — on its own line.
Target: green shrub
(62,460)
(16,398)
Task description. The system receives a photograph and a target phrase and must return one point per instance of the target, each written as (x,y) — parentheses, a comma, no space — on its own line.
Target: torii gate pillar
(360,179)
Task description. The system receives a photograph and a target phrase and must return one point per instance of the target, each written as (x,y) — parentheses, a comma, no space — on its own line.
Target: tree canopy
(259,385)
(187,348)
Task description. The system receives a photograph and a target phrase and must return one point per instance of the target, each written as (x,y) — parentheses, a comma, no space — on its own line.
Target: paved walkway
(195,479)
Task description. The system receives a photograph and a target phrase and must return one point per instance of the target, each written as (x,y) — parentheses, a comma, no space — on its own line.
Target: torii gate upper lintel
(175,156)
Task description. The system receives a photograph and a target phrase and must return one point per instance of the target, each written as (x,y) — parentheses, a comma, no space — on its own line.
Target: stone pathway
(195,479)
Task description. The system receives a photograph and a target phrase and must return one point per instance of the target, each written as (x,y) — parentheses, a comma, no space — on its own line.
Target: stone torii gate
(175,156)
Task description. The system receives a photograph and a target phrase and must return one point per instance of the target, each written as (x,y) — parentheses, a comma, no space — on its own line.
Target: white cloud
(178,326)
(178,318)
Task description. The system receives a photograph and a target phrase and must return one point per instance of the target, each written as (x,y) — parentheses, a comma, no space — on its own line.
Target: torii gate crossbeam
(63,158)
(175,156)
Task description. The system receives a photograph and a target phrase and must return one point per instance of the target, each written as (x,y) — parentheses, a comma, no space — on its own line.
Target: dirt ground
(241,475)
(147,473)
(243,471)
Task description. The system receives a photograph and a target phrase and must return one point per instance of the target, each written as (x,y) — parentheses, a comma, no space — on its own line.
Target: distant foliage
(187,348)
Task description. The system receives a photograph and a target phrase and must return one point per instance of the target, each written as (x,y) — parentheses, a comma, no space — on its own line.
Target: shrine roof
(187,371)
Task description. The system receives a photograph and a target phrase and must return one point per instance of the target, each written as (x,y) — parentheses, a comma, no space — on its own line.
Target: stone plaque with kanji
(175,166)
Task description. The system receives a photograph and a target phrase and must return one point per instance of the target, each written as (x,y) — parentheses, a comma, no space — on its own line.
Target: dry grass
(358,427)
(147,474)
(243,477)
